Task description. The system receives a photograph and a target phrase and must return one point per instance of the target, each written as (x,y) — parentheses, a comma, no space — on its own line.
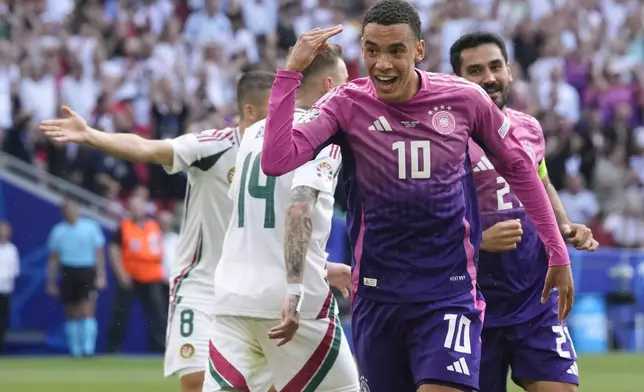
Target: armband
(542,170)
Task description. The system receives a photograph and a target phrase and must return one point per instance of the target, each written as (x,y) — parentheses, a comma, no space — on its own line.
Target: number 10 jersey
(250,279)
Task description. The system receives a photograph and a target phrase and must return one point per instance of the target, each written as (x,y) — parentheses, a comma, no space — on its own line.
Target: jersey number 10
(420,157)
(256,191)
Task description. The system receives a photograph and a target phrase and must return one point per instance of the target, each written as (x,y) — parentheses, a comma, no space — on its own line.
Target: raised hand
(309,45)
(72,128)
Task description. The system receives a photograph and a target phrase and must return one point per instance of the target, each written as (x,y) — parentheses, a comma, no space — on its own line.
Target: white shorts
(187,338)
(242,357)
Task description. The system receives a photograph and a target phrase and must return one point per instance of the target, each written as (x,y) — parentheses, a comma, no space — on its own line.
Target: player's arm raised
(287,147)
(580,236)
(492,130)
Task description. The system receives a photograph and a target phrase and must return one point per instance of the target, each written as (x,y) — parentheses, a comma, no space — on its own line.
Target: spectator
(76,253)
(162,68)
(580,203)
(627,224)
(9,271)
(136,255)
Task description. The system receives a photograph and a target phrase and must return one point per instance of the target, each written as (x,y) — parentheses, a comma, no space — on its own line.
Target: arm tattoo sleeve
(299,228)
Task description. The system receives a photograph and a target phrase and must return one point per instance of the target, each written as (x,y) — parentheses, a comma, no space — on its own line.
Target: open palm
(72,128)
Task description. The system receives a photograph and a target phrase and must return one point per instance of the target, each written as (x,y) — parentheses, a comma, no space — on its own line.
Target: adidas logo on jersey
(381,124)
(483,165)
(459,366)
(574,370)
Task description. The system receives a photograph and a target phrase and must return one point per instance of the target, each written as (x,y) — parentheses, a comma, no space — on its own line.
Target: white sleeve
(320,173)
(194,147)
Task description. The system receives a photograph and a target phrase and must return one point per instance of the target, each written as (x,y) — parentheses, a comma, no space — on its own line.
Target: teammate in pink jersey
(520,332)
(413,217)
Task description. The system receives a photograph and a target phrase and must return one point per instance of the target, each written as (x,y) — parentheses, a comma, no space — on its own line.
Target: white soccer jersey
(250,279)
(209,159)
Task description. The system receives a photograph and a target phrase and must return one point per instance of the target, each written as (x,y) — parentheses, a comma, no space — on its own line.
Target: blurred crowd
(164,67)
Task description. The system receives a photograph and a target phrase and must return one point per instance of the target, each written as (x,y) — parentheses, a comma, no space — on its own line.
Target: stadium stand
(160,68)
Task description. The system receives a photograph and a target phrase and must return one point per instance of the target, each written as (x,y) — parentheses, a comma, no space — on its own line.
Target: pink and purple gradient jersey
(511,281)
(413,216)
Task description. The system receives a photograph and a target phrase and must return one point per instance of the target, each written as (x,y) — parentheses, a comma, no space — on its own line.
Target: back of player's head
(474,40)
(393,12)
(322,63)
(253,87)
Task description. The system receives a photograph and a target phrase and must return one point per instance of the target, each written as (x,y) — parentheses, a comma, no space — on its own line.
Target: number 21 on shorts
(458,333)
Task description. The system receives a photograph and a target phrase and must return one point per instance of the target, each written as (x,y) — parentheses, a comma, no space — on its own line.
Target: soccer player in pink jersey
(520,332)
(413,216)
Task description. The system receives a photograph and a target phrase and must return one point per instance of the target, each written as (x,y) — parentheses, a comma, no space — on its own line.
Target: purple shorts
(537,350)
(402,346)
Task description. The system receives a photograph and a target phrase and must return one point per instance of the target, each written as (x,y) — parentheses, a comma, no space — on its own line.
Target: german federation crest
(442,120)
(311,115)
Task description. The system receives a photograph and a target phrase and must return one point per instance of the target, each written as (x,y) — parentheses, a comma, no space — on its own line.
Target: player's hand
(52,289)
(309,44)
(560,277)
(339,276)
(72,128)
(580,236)
(290,321)
(502,236)
(100,283)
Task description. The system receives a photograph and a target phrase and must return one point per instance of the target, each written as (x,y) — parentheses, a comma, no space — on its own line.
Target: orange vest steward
(141,251)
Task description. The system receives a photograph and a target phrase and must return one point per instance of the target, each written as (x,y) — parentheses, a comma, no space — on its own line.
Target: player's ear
(420,51)
(249,112)
(510,77)
(327,84)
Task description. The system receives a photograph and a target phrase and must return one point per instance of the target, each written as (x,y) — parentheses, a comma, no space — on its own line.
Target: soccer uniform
(413,217)
(519,332)
(209,159)
(250,285)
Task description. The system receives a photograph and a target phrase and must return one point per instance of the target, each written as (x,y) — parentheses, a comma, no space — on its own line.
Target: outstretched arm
(175,155)
(131,147)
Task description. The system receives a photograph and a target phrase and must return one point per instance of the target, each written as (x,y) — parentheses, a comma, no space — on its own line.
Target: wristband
(296,289)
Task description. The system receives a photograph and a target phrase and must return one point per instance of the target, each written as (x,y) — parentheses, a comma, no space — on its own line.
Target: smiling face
(486,66)
(390,54)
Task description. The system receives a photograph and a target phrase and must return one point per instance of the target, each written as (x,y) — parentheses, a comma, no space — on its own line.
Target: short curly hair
(391,12)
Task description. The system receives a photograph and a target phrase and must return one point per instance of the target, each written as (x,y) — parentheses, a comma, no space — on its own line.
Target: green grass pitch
(605,373)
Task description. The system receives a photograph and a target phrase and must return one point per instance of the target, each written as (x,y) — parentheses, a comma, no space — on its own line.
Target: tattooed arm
(299,228)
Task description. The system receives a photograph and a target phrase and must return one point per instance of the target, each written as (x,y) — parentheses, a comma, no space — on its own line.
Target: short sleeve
(52,241)
(117,237)
(191,148)
(99,238)
(320,173)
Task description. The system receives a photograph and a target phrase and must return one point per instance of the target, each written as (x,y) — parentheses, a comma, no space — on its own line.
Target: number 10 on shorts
(458,333)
